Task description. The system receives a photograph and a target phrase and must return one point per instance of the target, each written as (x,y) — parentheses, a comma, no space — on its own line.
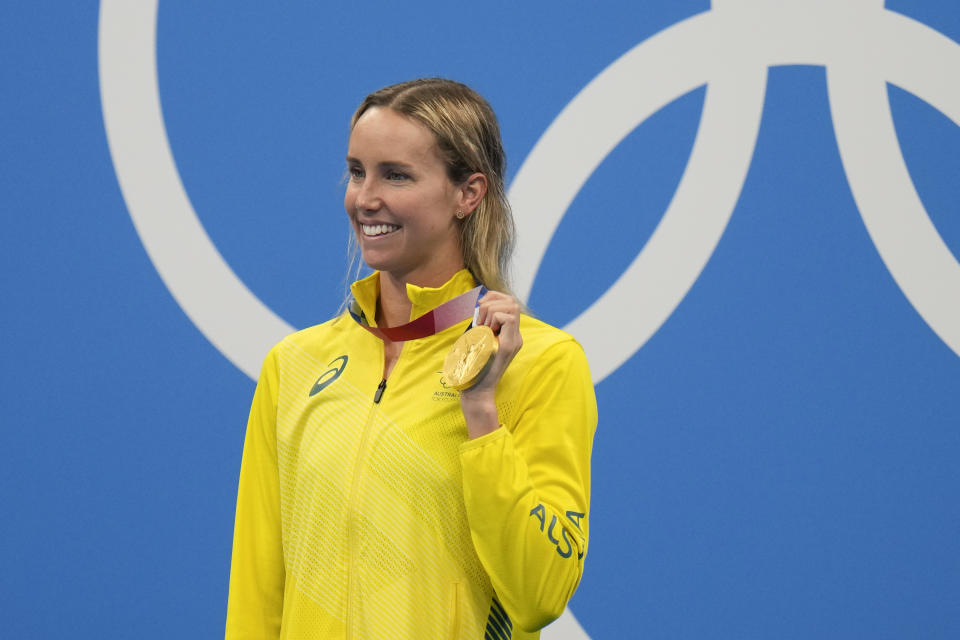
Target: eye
(397,176)
(355,171)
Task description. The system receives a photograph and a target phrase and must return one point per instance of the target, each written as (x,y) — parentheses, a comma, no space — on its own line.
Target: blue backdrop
(779,401)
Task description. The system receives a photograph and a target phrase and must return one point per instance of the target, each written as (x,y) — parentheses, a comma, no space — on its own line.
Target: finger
(484,305)
(501,303)
(492,298)
(508,327)
(510,342)
(498,317)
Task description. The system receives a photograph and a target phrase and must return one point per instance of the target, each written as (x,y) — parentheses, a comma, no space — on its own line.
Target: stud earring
(460,214)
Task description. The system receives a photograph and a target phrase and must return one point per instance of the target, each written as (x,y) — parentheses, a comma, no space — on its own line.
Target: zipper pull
(380,389)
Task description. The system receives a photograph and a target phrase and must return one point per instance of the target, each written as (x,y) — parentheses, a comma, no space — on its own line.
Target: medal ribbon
(434,321)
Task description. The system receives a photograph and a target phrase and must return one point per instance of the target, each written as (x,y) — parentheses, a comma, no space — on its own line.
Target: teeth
(378,229)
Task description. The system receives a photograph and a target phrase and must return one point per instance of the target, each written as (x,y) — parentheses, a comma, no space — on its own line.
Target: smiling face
(400,201)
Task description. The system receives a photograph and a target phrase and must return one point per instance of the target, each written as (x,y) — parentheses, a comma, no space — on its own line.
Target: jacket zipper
(352,550)
(352,542)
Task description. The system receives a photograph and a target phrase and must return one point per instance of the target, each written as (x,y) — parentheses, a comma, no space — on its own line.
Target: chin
(378,261)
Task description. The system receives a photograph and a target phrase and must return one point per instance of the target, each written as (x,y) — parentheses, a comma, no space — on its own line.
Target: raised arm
(527,486)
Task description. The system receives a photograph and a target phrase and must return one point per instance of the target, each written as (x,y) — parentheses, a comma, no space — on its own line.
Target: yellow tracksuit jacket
(363,510)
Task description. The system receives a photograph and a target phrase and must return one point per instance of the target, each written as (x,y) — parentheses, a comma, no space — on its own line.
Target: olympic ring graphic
(862,45)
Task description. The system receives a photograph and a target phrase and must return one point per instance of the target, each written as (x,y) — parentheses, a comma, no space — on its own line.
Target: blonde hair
(468,137)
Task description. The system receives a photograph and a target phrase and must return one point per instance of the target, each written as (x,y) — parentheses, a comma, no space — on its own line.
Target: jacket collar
(367,291)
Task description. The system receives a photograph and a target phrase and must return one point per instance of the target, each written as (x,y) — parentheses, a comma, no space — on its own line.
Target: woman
(375,501)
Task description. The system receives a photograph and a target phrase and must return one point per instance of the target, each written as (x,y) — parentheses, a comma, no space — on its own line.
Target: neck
(393,307)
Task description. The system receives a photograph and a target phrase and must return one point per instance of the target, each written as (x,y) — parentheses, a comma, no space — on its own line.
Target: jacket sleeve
(255,603)
(527,489)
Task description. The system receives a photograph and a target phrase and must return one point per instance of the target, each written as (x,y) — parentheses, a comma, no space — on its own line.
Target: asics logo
(329,376)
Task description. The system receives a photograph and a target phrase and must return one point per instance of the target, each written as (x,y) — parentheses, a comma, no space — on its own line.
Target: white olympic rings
(862,45)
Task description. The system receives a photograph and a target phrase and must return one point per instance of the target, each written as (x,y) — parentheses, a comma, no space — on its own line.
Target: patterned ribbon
(434,321)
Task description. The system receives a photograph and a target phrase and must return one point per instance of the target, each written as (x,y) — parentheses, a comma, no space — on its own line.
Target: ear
(471,192)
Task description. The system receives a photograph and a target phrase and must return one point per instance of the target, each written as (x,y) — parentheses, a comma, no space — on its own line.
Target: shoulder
(312,340)
(317,332)
(549,374)
(546,345)
(539,335)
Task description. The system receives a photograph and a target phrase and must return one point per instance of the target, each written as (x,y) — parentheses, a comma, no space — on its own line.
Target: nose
(367,197)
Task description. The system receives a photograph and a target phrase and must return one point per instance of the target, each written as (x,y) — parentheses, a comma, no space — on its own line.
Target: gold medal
(470,357)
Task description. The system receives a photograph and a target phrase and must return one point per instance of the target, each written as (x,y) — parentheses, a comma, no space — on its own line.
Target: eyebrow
(389,164)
